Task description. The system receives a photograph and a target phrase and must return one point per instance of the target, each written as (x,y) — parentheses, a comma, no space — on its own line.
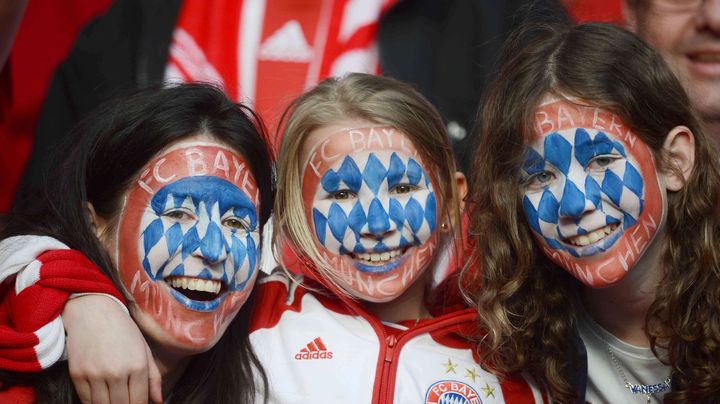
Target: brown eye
(235,223)
(178,214)
(403,189)
(342,195)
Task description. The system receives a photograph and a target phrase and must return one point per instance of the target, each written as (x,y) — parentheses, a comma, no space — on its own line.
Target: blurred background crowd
(68,56)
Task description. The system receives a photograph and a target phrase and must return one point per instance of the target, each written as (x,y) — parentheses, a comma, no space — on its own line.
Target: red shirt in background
(44,38)
(595,10)
(275,61)
(267,53)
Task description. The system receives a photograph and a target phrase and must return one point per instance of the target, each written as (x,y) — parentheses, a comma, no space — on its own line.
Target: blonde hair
(376,99)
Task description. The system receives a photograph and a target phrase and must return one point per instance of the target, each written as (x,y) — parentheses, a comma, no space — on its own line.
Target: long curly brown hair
(524,300)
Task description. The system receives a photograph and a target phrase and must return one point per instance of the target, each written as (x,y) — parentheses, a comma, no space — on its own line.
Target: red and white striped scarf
(37,276)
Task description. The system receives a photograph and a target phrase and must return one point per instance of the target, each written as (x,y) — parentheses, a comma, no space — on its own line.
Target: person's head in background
(370,193)
(578,116)
(687,35)
(166,191)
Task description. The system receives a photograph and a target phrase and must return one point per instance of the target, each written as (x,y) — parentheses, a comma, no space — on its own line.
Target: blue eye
(539,180)
(602,162)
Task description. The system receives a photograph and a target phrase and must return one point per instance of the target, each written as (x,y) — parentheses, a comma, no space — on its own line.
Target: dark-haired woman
(166,192)
(597,216)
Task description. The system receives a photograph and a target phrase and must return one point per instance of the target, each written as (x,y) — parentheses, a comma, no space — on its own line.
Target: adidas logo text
(315,349)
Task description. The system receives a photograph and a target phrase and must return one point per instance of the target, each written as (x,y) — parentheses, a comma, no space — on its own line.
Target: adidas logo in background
(315,349)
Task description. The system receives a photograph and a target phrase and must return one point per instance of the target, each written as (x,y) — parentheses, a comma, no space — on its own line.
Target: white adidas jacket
(320,348)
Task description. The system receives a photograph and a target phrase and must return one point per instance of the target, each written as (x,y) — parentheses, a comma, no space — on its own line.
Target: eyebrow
(210,190)
(586,148)
(534,162)
(240,204)
(349,173)
(412,170)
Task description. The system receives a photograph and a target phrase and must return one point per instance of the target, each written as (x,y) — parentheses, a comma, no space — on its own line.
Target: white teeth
(379,257)
(707,57)
(202,285)
(592,237)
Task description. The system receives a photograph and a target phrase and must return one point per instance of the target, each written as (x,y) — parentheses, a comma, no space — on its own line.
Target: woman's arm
(108,358)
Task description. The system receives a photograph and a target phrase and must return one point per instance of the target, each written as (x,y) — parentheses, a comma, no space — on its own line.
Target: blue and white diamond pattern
(617,191)
(396,220)
(166,243)
(451,397)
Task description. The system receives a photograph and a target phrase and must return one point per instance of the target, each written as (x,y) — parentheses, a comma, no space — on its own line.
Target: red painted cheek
(654,205)
(153,299)
(611,266)
(186,327)
(310,184)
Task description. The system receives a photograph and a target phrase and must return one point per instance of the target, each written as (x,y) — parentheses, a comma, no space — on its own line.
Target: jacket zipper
(392,346)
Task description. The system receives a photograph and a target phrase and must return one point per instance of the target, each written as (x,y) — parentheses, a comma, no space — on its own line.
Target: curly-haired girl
(597,216)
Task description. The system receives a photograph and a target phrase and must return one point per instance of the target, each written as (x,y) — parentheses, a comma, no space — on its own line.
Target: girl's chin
(602,283)
(178,346)
(181,337)
(595,278)
(376,291)
(380,299)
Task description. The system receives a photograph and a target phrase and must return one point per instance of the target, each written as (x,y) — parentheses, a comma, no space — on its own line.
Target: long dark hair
(106,152)
(523,298)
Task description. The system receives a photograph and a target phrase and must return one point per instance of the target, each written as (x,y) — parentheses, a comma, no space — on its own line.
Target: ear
(462,188)
(679,149)
(98,224)
(461,184)
(630,15)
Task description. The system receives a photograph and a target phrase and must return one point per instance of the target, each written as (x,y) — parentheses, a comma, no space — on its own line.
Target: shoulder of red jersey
(280,292)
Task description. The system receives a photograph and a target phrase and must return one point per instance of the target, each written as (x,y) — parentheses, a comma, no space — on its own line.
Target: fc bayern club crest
(451,392)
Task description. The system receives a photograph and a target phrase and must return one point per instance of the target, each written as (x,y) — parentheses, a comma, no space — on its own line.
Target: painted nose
(707,17)
(574,203)
(378,220)
(212,247)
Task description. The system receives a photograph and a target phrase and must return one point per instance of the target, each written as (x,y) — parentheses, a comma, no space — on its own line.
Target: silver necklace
(647,389)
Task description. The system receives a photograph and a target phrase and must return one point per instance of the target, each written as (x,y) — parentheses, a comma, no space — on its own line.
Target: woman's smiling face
(188,242)
(372,207)
(591,192)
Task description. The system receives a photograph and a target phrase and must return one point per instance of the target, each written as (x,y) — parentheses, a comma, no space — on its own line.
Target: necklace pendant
(647,389)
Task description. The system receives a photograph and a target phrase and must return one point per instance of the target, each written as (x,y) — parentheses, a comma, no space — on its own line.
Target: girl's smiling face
(372,207)
(591,192)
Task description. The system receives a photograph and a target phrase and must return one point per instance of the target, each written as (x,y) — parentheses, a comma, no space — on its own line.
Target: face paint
(188,241)
(591,192)
(372,208)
